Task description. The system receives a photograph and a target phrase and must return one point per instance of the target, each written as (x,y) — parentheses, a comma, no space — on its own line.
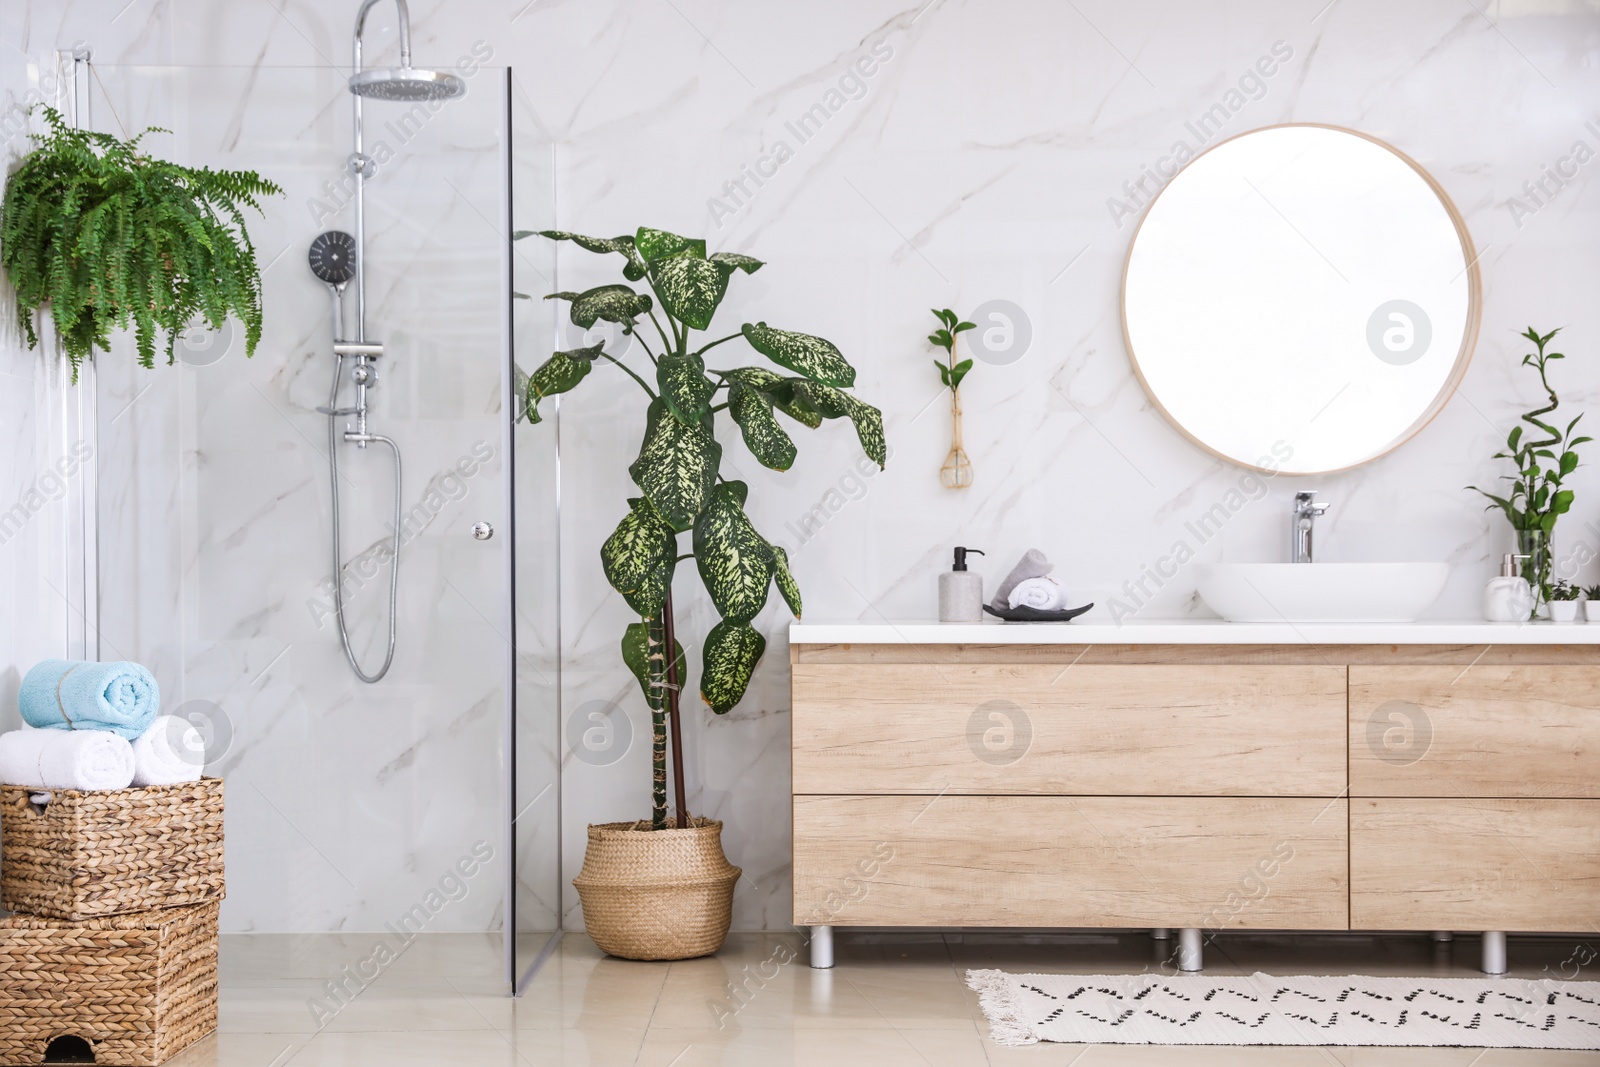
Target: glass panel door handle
(482,531)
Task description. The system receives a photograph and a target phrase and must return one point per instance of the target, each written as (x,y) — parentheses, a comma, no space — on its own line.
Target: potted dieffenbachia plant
(109,236)
(662,889)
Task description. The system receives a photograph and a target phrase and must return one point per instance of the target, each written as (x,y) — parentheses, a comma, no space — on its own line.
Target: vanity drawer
(1435,864)
(1485,731)
(1212,862)
(1202,730)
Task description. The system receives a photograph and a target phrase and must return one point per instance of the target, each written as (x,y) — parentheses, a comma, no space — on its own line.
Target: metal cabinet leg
(1494,952)
(822,947)
(1161,933)
(1190,942)
(1442,935)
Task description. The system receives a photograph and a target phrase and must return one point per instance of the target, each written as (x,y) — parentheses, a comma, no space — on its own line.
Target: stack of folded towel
(1028,587)
(95,726)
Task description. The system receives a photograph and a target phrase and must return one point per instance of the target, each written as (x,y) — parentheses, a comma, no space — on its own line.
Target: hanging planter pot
(109,237)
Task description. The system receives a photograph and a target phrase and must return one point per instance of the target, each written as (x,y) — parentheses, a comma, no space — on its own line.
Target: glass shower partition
(411,806)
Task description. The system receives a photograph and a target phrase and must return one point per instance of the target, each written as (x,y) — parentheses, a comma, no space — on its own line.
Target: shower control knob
(482,531)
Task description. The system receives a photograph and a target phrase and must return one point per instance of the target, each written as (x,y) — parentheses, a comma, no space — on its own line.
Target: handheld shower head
(332,257)
(403,82)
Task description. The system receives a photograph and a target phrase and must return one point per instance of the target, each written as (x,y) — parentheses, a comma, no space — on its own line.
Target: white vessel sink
(1321,592)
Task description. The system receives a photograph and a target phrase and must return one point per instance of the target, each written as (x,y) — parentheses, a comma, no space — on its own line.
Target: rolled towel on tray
(65,759)
(171,751)
(1033,564)
(1041,594)
(60,694)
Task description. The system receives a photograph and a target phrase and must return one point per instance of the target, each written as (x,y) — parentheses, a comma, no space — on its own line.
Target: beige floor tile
(786,1048)
(240,1050)
(409,1006)
(729,994)
(421,1048)
(600,1046)
(281,1008)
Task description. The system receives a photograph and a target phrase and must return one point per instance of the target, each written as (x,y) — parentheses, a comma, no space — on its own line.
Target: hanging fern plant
(108,236)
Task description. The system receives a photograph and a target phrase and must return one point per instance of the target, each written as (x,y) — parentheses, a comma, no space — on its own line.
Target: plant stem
(706,348)
(719,407)
(665,344)
(656,670)
(673,687)
(630,374)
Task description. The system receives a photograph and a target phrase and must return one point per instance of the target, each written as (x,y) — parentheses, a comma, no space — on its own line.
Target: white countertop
(1193,632)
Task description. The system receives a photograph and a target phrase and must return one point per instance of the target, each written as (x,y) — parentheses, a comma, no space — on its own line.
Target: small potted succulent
(1590,596)
(1564,601)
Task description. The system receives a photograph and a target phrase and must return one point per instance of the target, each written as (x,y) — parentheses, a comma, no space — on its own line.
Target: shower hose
(338,556)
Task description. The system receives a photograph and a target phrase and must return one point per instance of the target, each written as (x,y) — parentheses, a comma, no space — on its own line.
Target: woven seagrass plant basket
(82,855)
(135,989)
(657,894)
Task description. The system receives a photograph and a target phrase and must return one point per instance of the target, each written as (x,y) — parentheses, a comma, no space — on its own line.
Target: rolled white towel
(1041,594)
(65,759)
(171,751)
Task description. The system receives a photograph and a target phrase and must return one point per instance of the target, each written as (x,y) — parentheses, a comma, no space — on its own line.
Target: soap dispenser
(961,591)
(1508,598)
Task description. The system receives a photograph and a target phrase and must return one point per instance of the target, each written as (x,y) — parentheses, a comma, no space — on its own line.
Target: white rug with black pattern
(1154,1009)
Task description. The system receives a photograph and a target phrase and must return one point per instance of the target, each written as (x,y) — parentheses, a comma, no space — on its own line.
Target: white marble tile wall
(982,158)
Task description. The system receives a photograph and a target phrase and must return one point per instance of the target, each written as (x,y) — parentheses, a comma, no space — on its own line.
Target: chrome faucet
(1306,510)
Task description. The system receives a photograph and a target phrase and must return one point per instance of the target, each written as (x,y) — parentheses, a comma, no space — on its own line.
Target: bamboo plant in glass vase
(1543,458)
(956,473)
(661,888)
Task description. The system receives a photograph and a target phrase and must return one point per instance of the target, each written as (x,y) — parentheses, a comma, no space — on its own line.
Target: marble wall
(971,152)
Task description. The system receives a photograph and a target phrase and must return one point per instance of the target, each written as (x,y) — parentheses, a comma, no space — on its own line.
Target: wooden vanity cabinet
(1218,787)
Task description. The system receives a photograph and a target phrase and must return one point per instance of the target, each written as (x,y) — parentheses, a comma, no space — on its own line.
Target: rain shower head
(404,82)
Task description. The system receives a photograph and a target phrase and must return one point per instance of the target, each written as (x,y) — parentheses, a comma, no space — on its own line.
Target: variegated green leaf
(736,261)
(784,579)
(869,430)
(838,404)
(752,410)
(639,557)
(735,562)
(827,401)
(684,387)
(633,270)
(613,303)
(636,654)
(802,353)
(659,244)
(677,465)
(781,391)
(732,651)
(690,288)
(561,372)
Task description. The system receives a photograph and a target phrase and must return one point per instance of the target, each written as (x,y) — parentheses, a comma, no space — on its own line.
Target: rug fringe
(999,1003)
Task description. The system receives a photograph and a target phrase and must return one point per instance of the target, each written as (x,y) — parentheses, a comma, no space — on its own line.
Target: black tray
(1025,614)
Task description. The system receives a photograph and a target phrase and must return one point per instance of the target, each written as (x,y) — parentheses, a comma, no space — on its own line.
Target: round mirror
(1300,299)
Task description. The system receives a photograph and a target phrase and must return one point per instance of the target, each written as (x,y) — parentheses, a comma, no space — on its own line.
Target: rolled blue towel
(60,694)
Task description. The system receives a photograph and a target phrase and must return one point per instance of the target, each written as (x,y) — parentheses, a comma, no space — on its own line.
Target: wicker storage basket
(137,988)
(84,855)
(656,894)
